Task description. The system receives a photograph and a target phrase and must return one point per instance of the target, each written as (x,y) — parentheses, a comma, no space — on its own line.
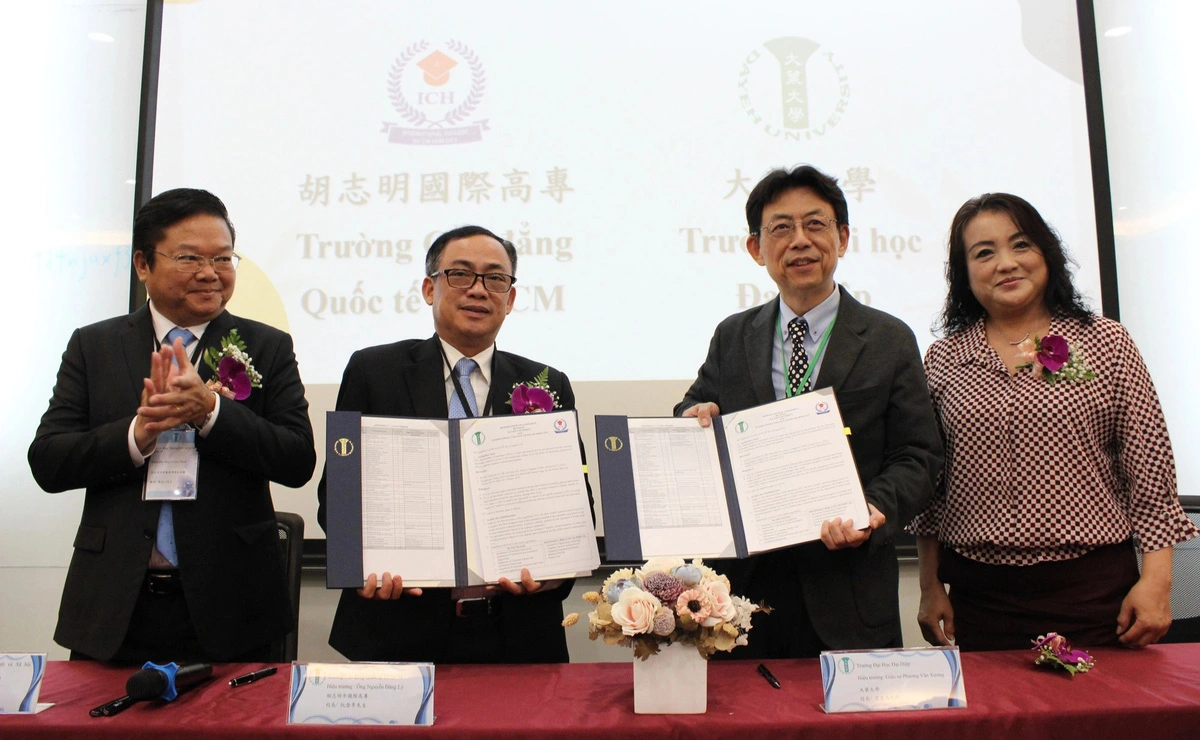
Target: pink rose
(634,611)
(723,608)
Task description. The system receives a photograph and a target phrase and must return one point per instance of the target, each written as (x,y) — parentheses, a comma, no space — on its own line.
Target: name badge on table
(361,694)
(171,470)
(21,682)
(884,680)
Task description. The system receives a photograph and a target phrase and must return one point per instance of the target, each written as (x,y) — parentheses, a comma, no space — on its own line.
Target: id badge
(171,470)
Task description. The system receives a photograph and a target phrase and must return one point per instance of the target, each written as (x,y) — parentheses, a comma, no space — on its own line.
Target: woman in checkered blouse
(1048,486)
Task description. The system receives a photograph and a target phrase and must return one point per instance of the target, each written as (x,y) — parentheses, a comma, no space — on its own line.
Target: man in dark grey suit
(469,284)
(194,579)
(840,592)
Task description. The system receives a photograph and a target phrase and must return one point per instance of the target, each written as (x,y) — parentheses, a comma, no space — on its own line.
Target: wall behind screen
(617,155)
(1148,59)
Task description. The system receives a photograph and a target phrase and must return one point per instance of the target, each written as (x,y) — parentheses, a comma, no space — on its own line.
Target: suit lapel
(504,376)
(759,345)
(845,345)
(137,342)
(216,330)
(425,378)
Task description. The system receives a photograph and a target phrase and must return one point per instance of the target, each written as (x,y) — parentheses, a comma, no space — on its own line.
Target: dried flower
(703,614)
(664,621)
(693,603)
(666,587)
(635,610)
(570,619)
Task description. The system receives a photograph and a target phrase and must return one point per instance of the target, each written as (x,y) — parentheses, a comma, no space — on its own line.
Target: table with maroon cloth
(1152,693)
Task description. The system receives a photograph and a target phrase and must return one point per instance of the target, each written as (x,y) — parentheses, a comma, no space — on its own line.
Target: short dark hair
(169,208)
(777,182)
(962,309)
(434,255)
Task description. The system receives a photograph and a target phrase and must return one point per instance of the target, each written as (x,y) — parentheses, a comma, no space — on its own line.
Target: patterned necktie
(164,539)
(463,369)
(797,331)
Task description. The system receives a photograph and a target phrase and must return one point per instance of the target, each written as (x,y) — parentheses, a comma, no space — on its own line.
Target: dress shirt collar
(818,317)
(162,325)
(483,359)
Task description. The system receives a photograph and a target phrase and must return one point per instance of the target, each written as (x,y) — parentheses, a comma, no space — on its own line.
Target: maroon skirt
(1005,607)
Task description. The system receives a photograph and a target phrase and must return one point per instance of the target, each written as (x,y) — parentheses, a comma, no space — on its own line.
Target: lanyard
(787,388)
(462,397)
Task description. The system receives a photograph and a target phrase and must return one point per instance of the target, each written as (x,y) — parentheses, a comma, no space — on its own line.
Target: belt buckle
(477,607)
(162,584)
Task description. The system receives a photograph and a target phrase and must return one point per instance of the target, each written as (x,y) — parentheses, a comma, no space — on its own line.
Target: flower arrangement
(1053,357)
(236,375)
(1054,650)
(528,398)
(666,601)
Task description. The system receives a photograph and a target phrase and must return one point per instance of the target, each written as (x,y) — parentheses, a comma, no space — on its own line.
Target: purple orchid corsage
(236,376)
(232,374)
(534,396)
(1054,650)
(1053,358)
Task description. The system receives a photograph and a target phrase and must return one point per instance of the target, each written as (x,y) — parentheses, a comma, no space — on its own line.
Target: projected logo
(792,89)
(436,89)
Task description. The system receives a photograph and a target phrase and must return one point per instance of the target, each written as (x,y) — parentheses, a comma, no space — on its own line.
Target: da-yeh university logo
(436,88)
(792,88)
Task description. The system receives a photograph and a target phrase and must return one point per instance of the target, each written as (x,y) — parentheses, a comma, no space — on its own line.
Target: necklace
(1022,339)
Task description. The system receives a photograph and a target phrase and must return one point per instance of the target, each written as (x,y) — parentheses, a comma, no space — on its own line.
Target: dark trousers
(1006,607)
(161,631)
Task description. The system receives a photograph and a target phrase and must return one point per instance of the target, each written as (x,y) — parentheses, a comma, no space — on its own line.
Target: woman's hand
(936,616)
(1146,611)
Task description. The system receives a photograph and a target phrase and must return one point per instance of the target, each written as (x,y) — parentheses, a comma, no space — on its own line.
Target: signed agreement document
(756,480)
(457,502)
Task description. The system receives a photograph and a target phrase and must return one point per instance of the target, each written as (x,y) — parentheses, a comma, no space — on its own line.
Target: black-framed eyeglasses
(786,228)
(493,282)
(193,263)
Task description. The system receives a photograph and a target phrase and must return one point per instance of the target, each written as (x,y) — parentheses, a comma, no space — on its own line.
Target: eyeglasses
(193,263)
(813,225)
(494,282)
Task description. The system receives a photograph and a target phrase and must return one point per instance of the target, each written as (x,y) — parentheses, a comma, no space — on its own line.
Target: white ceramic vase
(673,682)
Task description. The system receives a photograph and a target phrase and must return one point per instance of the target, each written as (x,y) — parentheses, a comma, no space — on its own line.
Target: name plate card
(21,682)
(887,680)
(361,694)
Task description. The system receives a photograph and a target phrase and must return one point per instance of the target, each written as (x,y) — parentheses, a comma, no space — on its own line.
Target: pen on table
(252,676)
(108,709)
(762,669)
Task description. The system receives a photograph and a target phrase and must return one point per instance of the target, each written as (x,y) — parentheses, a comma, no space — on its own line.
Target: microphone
(165,681)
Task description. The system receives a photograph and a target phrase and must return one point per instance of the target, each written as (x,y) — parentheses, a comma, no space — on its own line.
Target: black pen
(769,676)
(115,706)
(252,676)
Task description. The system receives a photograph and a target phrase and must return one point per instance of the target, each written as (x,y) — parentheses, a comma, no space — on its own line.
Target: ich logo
(435,89)
(802,94)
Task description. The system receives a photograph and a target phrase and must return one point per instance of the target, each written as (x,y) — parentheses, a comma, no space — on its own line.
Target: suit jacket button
(148,533)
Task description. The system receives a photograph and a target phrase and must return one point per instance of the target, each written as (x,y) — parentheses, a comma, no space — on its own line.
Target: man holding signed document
(839,592)
(455,374)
